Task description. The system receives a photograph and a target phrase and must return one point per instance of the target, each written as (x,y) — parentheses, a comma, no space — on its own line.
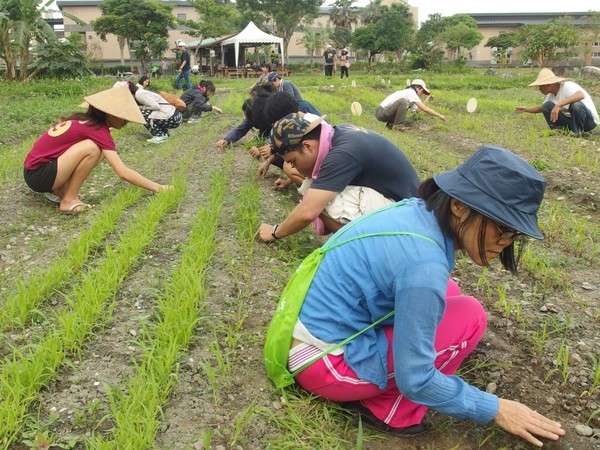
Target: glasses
(513,235)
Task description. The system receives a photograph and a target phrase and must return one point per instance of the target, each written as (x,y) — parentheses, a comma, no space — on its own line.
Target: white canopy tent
(252,35)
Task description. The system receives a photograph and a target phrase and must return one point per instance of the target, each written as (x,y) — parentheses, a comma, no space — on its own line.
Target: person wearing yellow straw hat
(566,106)
(62,158)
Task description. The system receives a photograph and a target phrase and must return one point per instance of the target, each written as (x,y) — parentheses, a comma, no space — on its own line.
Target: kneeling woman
(160,115)
(62,159)
(392,268)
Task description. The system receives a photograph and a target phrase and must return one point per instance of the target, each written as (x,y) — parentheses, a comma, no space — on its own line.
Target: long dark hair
(440,203)
(255,112)
(93,117)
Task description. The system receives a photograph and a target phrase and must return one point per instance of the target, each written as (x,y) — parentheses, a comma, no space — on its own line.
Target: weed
(595,373)
(562,364)
(539,339)
(241,422)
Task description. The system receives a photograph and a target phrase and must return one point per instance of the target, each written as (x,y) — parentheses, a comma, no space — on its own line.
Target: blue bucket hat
(498,184)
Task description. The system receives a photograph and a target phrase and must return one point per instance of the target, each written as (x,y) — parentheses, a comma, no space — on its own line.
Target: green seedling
(241,422)
(562,364)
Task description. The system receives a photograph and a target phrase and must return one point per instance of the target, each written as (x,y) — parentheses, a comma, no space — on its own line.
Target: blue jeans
(186,75)
(581,119)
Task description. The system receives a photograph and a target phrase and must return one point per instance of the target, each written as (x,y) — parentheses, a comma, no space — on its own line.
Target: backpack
(173,100)
(281,328)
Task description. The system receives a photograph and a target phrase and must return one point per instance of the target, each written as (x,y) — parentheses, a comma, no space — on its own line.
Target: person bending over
(62,158)
(352,170)
(196,101)
(393,109)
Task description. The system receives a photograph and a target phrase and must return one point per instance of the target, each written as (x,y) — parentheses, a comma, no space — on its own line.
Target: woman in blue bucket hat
(380,326)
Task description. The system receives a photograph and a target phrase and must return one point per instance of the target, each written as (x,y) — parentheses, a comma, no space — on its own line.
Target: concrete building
(109,52)
(494,24)
(489,25)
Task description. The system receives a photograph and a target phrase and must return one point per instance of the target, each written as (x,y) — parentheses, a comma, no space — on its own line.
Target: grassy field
(139,324)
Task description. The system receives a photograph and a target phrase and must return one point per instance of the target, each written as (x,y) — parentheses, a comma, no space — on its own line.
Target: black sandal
(369,418)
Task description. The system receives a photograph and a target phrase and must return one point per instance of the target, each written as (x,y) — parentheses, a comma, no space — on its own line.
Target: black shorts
(41,179)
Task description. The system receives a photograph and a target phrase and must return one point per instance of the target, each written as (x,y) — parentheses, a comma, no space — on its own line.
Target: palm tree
(343,14)
(310,41)
(373,12)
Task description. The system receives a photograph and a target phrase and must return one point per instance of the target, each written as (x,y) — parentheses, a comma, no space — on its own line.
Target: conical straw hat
(546,76)
(117,102)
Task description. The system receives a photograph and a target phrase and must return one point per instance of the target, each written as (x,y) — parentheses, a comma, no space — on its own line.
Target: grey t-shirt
(360,157)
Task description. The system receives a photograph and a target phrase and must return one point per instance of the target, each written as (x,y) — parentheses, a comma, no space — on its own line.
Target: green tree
(551,41)
(504,40)
(216,19)
(286,16)
(343,16)
(21,24)
(61,58)
(503,45)
(432,27)
(460,31)
(367,38)
(341,37)
(451,33)
(428,52)
(143,24)
(373,12)
(311,41)
(393,30)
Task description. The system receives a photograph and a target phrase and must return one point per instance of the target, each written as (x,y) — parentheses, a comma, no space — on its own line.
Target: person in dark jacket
(249,121)
(196,101)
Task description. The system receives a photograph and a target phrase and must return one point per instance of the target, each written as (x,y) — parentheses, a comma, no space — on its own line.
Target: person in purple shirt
(394,263)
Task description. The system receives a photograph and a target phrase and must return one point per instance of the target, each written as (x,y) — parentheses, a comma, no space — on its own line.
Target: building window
(181,16)
(595,54)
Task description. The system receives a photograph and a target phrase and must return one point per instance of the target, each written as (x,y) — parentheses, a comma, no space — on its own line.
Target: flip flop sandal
(52,198)
(73,209)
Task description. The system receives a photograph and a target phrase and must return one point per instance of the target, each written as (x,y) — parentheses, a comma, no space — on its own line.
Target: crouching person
(196,101)
(372,319)
(351,171)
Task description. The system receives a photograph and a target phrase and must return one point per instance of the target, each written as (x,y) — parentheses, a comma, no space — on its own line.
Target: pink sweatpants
(458,333)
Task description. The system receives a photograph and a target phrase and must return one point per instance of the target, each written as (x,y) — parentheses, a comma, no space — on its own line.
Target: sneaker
(157,139)
(369,418)
(193,120)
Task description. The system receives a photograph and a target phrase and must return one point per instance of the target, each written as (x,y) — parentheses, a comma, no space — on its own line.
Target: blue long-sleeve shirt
(360,282)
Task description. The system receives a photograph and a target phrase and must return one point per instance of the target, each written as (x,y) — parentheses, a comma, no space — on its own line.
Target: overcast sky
(450,7)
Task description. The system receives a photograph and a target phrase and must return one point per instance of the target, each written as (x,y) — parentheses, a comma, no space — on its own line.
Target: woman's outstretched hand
(522,421)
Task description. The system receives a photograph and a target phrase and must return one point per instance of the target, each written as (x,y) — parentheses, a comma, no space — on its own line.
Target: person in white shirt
(567,105)
(393,109)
